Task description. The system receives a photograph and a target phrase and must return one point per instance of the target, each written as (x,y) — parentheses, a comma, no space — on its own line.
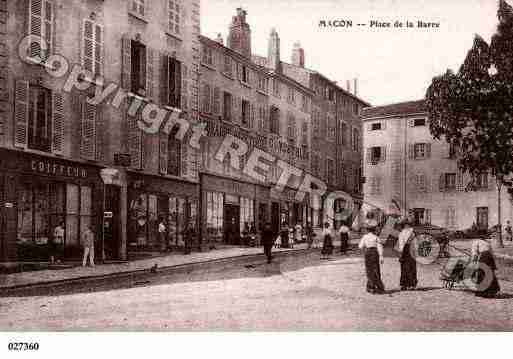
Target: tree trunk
(499,185)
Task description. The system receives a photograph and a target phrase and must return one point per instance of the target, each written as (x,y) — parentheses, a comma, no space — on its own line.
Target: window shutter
(411,151)
(441,183)
(88,46)
(180,72)
(163,152)
(217,101)
(239,71)
(126,71)
(252,116)
(428,150)
(185,158)
(48,26)
(164,79)
(21,111)
(239,109)
(57,123)
(98,49)
(35,26)
(88,135)
(459,181)
(134,142)
(428,216)
(151,57)
(383,153)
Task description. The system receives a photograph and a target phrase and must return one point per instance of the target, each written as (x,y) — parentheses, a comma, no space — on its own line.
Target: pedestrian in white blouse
(487,285)
(373,254)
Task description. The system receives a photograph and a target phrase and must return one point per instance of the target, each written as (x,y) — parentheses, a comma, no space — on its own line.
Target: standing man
(88,244)
(268,241)
(57,243)
(162,234)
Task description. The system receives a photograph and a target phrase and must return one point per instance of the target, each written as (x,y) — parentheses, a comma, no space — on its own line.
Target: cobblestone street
(296,293)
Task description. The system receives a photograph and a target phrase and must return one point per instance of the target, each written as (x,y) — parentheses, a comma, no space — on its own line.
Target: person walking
(284,235)
(487,285)
(344,238)
(188,237)
(268,237)
(327,245)
(88,244)
(373,254)
(408,280)
(57,244)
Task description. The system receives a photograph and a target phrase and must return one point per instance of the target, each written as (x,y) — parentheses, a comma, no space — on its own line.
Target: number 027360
(22,346)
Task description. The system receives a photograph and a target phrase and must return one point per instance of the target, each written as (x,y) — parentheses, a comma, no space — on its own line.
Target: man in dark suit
(268,237)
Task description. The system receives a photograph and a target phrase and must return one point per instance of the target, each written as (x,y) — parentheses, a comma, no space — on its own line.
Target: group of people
(328,234)
(167,240)
(87,239)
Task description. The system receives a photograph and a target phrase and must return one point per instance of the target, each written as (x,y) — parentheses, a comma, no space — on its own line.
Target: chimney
(239,37)
(348,86)
(355,87)
(273,51)
(219,39)
(298,55)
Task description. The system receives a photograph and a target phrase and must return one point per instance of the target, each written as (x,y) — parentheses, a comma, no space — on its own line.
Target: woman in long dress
(373,253)
(327,245)
(408,279)
(344,237)
(487,285)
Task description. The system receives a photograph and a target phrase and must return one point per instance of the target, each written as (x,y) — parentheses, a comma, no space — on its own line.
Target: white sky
(392,65)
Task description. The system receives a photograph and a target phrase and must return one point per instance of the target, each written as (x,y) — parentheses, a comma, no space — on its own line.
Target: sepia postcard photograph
(297,167)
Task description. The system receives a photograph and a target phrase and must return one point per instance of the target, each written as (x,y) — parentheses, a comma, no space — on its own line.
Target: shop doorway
(231,224)
(275,217)
(111,224)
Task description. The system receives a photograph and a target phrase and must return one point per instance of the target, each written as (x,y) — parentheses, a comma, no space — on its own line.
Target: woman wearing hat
(408,279)
(373,252)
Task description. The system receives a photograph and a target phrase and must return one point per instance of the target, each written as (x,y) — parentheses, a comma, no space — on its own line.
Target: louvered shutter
(428,150)
(88,135)
(163,152)
(126,71)
(239,109)
(57,123)
(180,71)
(411,151)
(21,114)
(164,79)
(185,159)
(35,26)
(239,71)
(88,45)
(48,27)
(252,116)
(98,49)
(441,183)
(369,155)
(383,153)
(216,103)
(134,142)
(151,56)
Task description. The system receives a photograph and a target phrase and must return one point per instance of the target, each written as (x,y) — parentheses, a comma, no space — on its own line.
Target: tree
(473,109)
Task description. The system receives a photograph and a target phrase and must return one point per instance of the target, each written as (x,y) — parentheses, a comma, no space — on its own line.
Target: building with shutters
(63,158)
(405,164)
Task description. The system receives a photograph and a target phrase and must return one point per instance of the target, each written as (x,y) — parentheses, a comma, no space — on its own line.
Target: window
(41,22)
(246,108)
(452,150)
(291,126)
(227,106)
(450,181)
(275,120)
(375,126)
(40,114)
(174,84)
(315,164)
(291,98)
(356,141)
(356,109)
(419,122)
(228,66)
(247,213)
(261,118)
(421,182)
(331,94)
(215,211)
(138,59)
(482,181)
(421,216)
(174,151)
(138,7)
(304,132)
(276,88)
(304,103)
(376,154)
(174,16)
(207,56)
(419,150)
(331,128)
(263,83)
(330,170)
(450,217)
(92,47)
(343,134)
(245,74)
(206,98)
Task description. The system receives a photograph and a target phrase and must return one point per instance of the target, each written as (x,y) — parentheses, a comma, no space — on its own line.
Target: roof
(401,108)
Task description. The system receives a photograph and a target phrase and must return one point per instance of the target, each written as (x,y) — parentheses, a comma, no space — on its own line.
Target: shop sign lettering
(52,168)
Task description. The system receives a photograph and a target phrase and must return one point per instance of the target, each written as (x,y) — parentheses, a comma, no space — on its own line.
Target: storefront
(287,210)
(39,193)
(152,199)
(231,207)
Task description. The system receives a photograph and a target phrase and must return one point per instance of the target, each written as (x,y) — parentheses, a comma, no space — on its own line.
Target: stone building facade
(404,164)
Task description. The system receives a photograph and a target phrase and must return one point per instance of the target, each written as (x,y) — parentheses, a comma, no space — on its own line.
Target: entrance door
(111,224)
(231,224)
(275,217)
(482,218)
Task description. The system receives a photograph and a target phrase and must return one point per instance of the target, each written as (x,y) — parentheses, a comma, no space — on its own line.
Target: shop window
(40,114)
(246,213)
(215,216)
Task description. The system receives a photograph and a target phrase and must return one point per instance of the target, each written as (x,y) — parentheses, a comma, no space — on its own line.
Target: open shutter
(164,79)
(252,117)
(163,152)
(88,135)
(180,71)
(126,71)
(35,26)
(441,183)
(183,88)
(217,101)
(57,123)
(411,151)
(48,27)
(98,49)
(134,142)
(428,150)
(151,56)
(21,111)
(185,159)
(88,46)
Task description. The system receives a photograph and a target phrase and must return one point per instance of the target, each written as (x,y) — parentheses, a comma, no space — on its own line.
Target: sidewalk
(170,260)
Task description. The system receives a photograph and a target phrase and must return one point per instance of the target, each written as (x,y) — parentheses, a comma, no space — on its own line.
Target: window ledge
(208,66)
(173,35)
(138,16)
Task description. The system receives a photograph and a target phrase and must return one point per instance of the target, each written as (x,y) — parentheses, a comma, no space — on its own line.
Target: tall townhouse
(268,112)
(67,158)
(406,166)
(336,145)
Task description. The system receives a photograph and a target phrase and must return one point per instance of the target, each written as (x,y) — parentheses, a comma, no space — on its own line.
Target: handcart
(455,271)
